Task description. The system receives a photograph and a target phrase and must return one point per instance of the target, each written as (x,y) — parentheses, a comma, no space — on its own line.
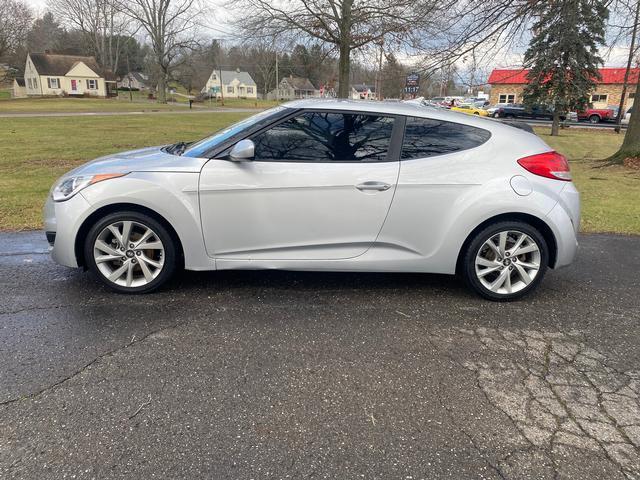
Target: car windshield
(199,149)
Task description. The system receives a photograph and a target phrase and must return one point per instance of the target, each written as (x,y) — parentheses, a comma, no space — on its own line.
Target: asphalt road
(292,375)
(118,113)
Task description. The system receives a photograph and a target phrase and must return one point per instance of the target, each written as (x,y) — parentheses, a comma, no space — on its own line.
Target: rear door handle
(373,186)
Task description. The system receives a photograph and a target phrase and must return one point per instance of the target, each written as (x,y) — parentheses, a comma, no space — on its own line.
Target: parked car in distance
(597,115)
(470,110)
(533,112)
(325,185)
(492,109)
(627,117)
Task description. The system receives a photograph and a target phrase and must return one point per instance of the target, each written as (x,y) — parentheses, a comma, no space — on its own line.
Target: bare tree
(15,21)
(627,13)
(102,24)
(170,26)
(347,25)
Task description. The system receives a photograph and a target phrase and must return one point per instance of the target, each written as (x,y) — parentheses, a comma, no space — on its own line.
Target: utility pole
(277,80)
(379,86)
(632,50)
(221,85)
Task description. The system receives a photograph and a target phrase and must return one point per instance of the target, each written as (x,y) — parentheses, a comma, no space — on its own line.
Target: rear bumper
(564,220)
(62,220)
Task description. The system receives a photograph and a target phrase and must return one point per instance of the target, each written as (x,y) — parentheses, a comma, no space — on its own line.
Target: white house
(363,92)
(47,74)
(235,84)
(19,89)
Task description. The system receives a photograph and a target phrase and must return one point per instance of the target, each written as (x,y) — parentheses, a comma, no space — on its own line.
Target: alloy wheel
(129,253)
(508,262)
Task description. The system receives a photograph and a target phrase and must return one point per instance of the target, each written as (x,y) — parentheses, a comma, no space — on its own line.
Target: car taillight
(549,164)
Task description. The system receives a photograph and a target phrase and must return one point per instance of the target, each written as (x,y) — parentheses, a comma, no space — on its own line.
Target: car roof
(396,108)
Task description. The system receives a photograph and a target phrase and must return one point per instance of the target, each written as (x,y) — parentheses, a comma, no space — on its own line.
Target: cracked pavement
(322,375)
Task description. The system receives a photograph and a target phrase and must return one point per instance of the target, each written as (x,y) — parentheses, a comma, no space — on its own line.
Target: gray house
(292,87)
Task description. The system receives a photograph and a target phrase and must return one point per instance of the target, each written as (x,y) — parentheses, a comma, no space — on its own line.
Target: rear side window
(326,137)
(426,137)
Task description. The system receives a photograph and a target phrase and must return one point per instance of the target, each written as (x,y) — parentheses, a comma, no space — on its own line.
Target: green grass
(5,94)
(123,103)
(35,151)
(610,193)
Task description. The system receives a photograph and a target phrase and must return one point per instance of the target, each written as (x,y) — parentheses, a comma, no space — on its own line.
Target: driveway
(295,375)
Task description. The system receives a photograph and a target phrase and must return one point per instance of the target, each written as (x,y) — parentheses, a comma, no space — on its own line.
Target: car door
(319,187)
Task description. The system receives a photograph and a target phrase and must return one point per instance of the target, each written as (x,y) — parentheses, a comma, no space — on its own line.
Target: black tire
(509,115)
(594,119)
(168,243)
(468,266)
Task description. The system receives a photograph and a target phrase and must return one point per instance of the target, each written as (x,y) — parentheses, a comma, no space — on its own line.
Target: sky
(616,57)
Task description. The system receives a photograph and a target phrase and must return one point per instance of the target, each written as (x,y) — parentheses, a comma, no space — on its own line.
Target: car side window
(427,137)
(326,137)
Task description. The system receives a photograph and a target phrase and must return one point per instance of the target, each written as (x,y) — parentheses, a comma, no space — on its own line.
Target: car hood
(151,159)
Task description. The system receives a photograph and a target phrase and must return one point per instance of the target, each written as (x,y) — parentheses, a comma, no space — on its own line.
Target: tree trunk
(631,144)
(344,71)
(555,127)
(344,64)
(162,87)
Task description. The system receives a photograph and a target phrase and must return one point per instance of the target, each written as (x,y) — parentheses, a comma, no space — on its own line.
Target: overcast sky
(614,58)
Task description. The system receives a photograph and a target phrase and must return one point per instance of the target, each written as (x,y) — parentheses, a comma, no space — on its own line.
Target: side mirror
(243,150)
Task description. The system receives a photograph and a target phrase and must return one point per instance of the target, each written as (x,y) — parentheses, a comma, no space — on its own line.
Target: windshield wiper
(177,148)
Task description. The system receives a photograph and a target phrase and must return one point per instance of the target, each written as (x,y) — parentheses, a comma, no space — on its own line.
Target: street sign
(412,83)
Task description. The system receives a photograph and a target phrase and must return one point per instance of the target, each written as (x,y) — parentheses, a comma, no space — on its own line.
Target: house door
(74,85)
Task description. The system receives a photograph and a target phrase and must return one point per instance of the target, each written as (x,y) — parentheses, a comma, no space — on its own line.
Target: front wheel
(505,261)
(130,252)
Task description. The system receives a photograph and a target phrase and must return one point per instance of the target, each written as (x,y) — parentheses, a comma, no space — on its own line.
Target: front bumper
(62,220)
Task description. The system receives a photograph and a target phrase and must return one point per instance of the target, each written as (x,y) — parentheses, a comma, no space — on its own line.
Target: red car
(597,115)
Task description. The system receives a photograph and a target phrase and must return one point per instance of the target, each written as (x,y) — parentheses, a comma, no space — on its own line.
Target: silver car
(327,185)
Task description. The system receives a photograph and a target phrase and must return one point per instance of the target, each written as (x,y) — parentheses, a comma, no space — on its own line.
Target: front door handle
(373,186)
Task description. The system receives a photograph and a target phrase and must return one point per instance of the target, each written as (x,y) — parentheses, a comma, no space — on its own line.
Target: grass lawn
(35,151)
(610,194)
(121,104)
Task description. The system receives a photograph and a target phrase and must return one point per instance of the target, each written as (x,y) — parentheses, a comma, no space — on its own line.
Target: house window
(92,84)
(53,83)
(249,89)
(507,98)
(599,98)
(29,84)
(35,83)
(229,89)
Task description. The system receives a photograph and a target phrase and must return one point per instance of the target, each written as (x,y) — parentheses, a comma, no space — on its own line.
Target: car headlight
(69,186)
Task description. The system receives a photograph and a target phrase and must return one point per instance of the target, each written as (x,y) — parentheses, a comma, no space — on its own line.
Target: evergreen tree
(563,55)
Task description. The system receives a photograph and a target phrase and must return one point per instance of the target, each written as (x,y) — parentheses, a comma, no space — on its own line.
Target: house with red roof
(507,86)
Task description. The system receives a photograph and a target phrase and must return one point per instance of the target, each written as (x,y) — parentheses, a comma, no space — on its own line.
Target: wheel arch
(119,207)
(532,220)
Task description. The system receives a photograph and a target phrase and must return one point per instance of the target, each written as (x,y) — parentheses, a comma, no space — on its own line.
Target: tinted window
(326,137)
(205,147)
(425,137)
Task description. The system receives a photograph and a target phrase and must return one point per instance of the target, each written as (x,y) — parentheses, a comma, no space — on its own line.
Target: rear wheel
(505,261)
(594,119)
(130,252)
